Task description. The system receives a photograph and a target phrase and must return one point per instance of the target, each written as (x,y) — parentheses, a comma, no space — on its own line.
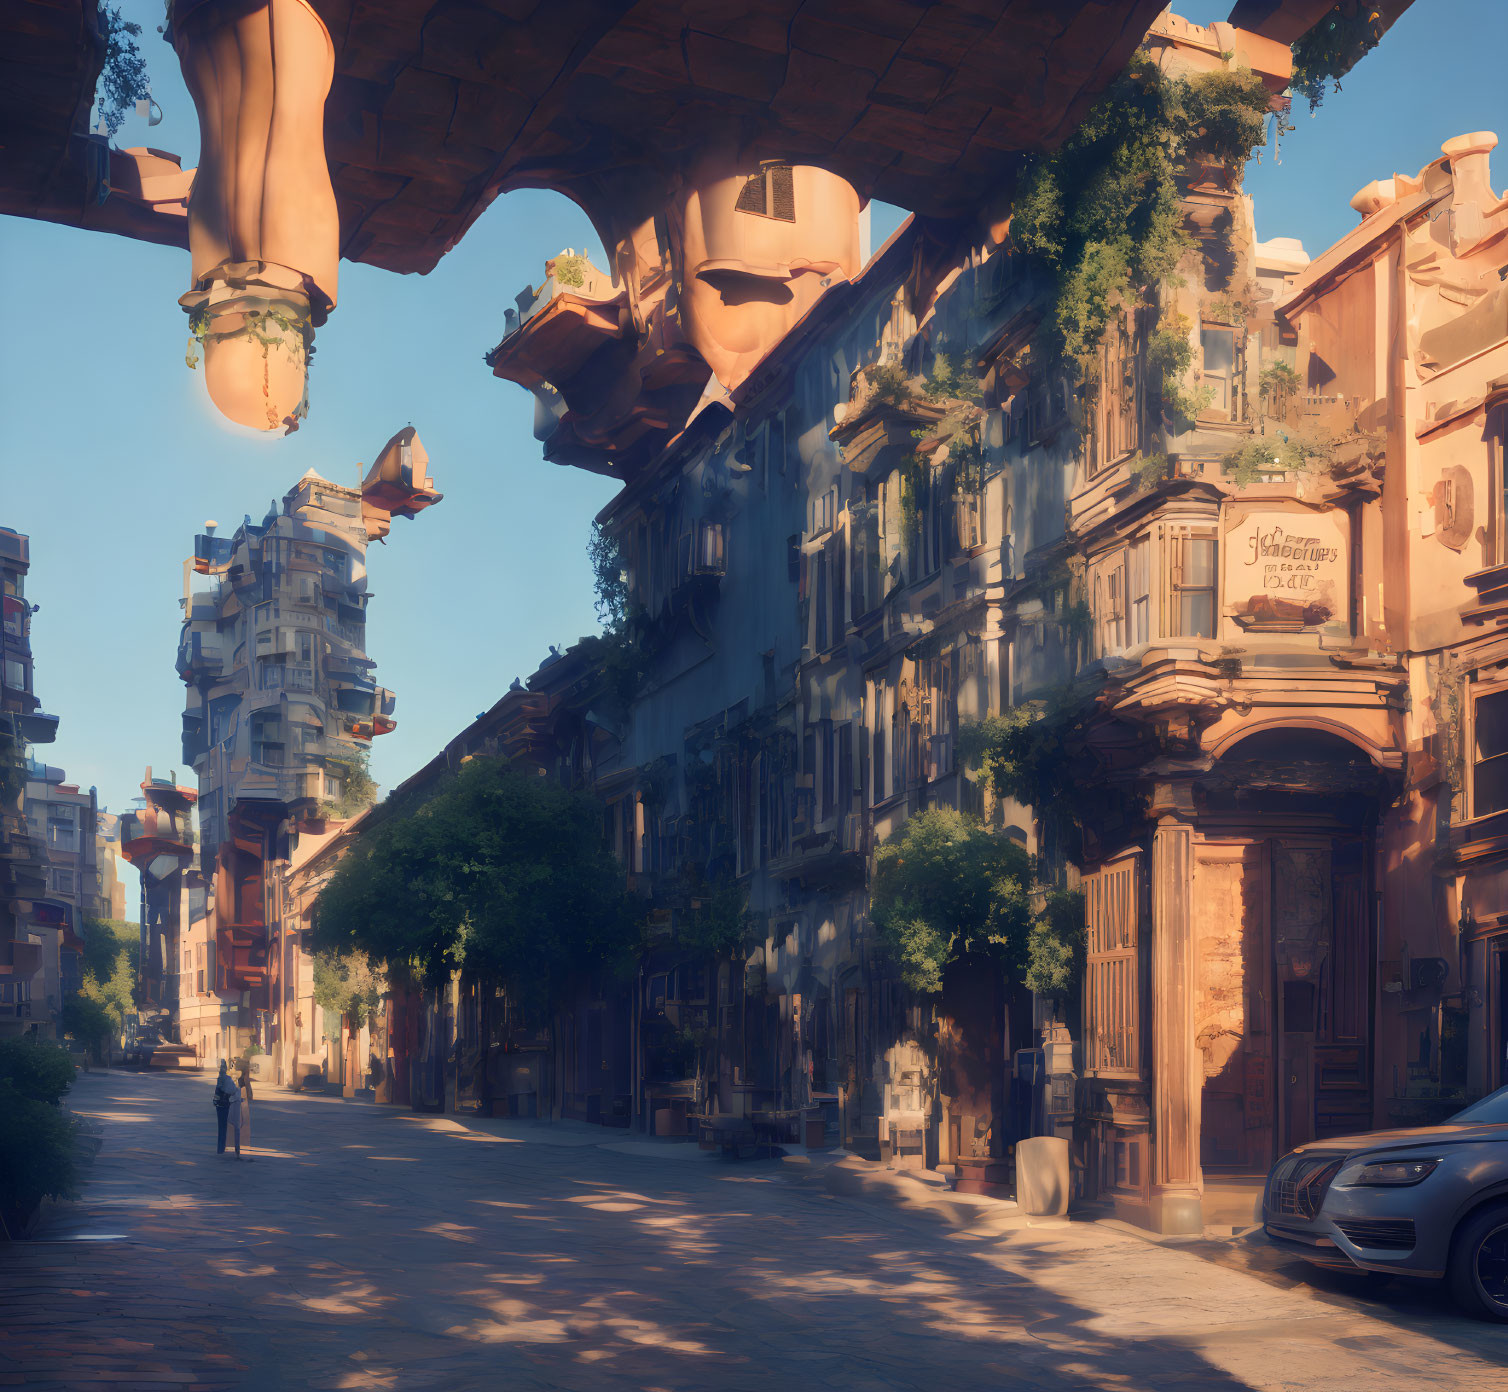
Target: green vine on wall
(1102,215)
(957,435)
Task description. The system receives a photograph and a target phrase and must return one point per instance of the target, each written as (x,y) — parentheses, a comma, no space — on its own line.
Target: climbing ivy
(273,328)
(1057,947)
(1101,214)
(620,651)
(957,434)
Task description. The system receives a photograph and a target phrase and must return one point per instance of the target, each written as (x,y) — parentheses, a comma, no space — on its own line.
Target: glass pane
(1198,562)
(1219,351)
(1489,791)
(1492,724)
(1196,612)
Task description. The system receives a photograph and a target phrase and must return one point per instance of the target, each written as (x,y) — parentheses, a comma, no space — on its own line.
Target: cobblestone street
(365,1247)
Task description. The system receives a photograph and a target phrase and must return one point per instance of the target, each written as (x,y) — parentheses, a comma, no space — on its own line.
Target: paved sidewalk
(366,1248)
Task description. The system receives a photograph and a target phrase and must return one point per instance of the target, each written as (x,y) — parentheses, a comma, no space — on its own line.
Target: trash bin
(1042,1176)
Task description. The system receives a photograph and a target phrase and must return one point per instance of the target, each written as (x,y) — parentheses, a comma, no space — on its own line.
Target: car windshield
(1491,1109)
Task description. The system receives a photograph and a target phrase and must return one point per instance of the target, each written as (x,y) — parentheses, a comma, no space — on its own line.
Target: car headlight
(1386,1172)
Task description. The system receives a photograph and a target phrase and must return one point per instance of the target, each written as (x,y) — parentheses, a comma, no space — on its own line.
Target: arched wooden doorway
(1285,945)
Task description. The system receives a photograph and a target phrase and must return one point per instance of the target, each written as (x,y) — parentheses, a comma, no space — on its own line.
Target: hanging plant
(1333,47)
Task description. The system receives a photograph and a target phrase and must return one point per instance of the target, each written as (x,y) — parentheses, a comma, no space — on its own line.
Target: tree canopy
(947,888)
(347,984)
(110,989)
(501,872)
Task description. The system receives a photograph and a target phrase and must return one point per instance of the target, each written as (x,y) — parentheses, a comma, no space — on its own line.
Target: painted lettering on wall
(1286,570)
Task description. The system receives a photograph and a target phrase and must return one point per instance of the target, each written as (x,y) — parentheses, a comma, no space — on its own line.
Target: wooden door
(1303,929)
(1233,1024)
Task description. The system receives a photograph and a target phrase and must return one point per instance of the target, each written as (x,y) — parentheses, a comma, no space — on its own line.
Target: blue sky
(114,458)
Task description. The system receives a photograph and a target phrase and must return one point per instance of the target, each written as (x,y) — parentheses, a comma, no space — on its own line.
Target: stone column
(1177,1181)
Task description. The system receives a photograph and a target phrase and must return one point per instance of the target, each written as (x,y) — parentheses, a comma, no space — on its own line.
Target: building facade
(1263,619)
(31,925)
(281,711)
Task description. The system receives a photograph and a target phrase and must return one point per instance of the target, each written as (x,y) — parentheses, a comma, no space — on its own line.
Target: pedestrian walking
(245,1112)
(227,1097)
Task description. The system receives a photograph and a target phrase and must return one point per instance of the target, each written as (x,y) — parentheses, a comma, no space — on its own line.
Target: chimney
(1471,193)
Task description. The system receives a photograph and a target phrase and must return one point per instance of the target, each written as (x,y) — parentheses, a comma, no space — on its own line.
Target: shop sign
(1286,570)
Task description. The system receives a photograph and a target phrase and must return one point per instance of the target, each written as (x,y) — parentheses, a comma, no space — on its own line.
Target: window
(822,601)
(62,830)
(864,551)
(1112,984)
(1139,590)
(1489,758)
(1220,369)
(709,549)
(1497,546)
(770,193)
(16,675)
(62,881)
(1117,406)
(1110,606)
(1191,585)
(968,505)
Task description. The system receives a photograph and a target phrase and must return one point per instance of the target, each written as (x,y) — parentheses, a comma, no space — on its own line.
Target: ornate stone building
(31,921)
(281,707)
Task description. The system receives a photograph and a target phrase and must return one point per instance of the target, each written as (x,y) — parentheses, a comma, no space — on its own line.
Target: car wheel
(1479,1264)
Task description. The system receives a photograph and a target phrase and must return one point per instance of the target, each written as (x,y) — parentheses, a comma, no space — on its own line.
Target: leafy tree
(948,888)
(36,1136)
(110,989)
(501,872)
(717,919)
(1058,944)
(123,79)
(348,985)
(358,789)
(619,651)
(89,1021)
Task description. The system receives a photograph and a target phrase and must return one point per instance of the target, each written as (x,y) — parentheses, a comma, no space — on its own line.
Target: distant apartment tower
(27,948)
(281,707)
(158,839)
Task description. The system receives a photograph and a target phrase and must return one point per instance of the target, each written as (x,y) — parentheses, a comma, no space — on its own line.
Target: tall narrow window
(1112,983)
(1489,768)
(829,771)
(1219,349)
(770,193)
(1192,585)
(1497,438)
(819,642)
(1139,588)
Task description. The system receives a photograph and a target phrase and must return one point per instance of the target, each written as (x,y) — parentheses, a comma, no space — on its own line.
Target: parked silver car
(1426,1202)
